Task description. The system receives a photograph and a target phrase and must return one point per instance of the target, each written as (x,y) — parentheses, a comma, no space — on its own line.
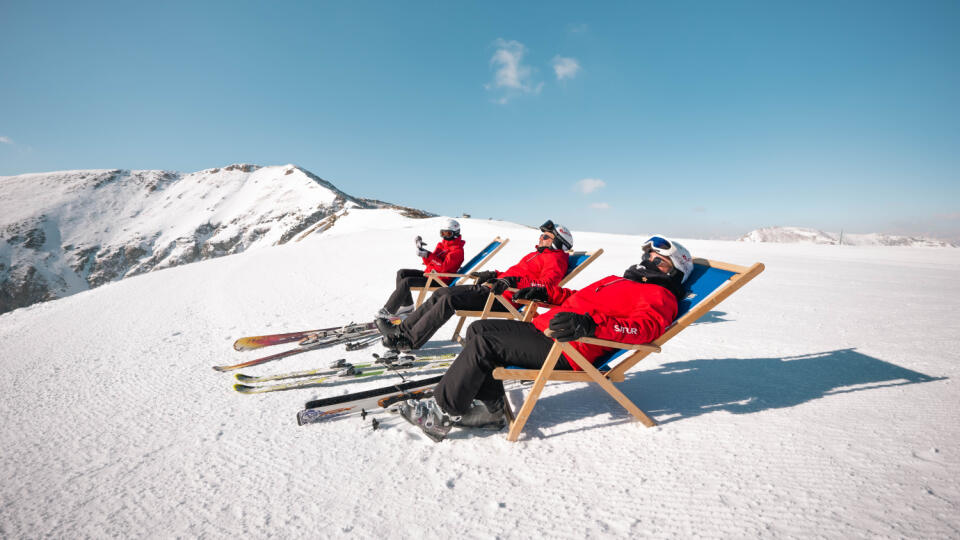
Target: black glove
(568,326)
(483,277)
(538,294)
(502,284)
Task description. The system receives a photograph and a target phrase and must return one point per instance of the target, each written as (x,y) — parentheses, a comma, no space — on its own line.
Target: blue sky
(702,119)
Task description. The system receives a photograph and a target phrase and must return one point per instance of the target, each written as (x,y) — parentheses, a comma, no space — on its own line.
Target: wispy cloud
(511,75)
(580,28)
(949,217)
(600,206)
(589,185)
(565,68)
(5,140)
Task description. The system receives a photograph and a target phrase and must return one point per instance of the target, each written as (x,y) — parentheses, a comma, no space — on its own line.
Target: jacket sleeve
(434,260)
(551,271)
(557,295)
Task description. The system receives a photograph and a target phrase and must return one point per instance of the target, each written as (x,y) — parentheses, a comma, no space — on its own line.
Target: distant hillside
(68,231)
(813,236)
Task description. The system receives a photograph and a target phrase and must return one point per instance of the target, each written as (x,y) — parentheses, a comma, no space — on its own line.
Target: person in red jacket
(636,307)
(544,267)
(446,258)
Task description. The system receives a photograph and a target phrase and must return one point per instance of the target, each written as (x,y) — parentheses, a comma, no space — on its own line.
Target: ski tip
(243,389)
(244,344)
(243,378)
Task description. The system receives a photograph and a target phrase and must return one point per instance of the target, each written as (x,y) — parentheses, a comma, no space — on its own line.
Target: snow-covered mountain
(814,236)
(65,232)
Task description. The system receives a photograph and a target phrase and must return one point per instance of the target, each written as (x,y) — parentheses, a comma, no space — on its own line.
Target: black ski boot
(484,414)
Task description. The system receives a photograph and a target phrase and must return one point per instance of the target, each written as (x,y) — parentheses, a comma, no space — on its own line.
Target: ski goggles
(657,243)
(448,233)
(549,227)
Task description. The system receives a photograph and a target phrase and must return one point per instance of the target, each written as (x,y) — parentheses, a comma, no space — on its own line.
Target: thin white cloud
(565,68)
(511,74)
(589,185)
(6,140)
(600,206)
(580,28)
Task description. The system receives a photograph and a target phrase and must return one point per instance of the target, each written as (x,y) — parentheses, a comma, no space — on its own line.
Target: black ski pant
(406,278)
(420,326)
(490,344)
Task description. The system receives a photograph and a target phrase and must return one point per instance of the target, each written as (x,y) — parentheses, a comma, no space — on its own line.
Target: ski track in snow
(818,401)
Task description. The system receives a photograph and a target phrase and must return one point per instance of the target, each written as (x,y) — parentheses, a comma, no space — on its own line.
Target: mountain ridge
(63,232)
(814,236)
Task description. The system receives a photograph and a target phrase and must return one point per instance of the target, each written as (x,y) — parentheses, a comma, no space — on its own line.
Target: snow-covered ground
(818,401)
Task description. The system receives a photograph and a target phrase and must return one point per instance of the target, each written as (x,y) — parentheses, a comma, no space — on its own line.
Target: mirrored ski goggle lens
(658,242)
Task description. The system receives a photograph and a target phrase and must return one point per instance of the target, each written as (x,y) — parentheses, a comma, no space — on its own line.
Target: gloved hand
(502,284)
(422,253)
(483,277)
(568,326)
(538,294)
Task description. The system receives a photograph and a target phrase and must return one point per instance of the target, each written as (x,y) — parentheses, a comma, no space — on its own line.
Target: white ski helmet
(562,237)
(674,251)
(450,225)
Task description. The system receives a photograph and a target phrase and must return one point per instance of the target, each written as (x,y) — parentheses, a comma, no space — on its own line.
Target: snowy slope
(64,232)
(818,401)
(814,236)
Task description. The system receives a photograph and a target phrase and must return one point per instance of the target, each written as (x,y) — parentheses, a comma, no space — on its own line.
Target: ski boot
(427,415)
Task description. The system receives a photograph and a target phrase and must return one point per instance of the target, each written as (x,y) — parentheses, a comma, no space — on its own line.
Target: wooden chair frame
(434,277)
(742,275)
(512,312)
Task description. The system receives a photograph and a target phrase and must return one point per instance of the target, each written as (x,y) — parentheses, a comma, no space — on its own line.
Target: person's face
(664,264)
(546,239)
(447,234)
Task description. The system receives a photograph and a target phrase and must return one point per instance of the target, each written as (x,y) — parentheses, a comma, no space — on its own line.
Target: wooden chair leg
(456,331)
(607,385)
(517,425)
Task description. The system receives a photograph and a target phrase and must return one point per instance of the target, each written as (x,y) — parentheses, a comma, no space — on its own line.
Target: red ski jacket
(446,257)
(625,311)
(538,269)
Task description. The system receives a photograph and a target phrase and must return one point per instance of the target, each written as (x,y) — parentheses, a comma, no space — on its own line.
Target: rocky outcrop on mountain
(814,236)
(64,232)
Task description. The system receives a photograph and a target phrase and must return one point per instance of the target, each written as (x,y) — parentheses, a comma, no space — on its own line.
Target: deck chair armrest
(612,344)
(444,274)
(535,303)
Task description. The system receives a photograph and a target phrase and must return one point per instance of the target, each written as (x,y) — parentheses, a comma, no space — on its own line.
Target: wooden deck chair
(578,260)
(433,278)
(710,283)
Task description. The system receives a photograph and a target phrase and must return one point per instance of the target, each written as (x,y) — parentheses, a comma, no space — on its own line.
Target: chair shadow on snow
(711,317)
(683,390)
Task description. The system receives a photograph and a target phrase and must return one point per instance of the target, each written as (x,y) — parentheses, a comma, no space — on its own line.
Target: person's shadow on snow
(681,390)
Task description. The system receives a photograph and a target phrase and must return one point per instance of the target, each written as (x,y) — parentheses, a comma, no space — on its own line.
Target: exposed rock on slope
(64,232)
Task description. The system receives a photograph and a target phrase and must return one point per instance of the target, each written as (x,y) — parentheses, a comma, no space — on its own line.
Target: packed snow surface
(817,401)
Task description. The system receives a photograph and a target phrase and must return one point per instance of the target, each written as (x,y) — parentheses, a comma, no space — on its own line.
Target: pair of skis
(361,403)
(341,370)
(354,335)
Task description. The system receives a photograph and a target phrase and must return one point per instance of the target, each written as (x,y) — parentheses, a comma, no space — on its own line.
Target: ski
(350,372)
(336,407)
(250,343)
(342,364)
(328,341)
